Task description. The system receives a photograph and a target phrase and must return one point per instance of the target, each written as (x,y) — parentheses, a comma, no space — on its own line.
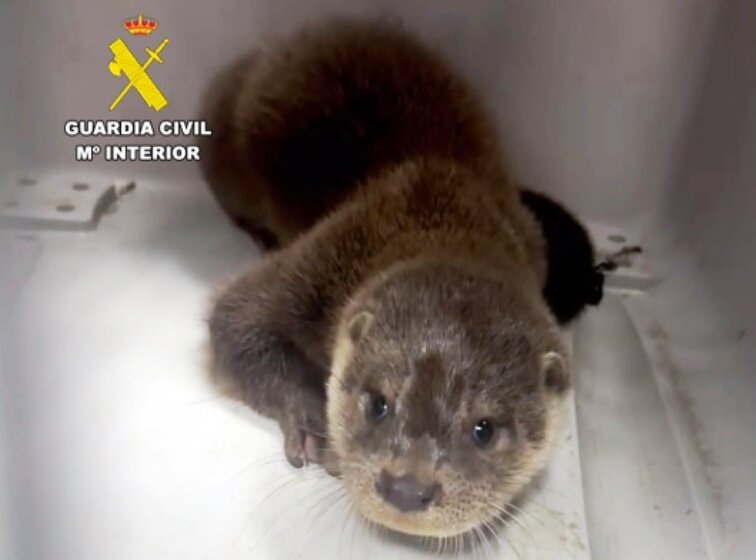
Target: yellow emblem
(125,63)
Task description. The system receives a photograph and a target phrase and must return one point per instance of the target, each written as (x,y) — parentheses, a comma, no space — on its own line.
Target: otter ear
(554,372)
(359,325)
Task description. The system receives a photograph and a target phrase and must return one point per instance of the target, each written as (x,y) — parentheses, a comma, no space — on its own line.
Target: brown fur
(297,127)
(356,150)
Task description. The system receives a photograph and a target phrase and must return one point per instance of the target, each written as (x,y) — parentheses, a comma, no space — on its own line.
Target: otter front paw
(302,446)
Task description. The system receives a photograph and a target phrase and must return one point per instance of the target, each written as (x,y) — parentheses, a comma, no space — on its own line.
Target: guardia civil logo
(125,64)
(131,77)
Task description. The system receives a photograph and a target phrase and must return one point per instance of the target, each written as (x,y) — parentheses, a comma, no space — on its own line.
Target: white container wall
(638,114)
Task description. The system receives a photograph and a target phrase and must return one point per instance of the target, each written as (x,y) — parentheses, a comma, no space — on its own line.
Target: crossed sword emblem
(125,63)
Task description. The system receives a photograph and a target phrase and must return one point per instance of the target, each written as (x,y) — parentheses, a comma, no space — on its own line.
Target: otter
(397,328)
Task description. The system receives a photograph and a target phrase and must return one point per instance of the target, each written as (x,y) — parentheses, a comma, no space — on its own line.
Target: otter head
(444,397)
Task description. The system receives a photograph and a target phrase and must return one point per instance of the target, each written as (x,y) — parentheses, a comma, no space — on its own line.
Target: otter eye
(482,432)
(378,408)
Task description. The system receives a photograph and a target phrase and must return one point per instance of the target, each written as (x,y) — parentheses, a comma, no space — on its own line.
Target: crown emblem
(140,25)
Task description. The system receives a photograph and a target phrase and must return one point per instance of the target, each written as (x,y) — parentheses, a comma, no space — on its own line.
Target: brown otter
(399,333)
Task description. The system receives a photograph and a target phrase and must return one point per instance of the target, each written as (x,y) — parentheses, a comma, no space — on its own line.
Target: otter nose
(405,493)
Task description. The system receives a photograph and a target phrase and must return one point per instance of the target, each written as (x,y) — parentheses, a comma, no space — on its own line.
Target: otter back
(295,129)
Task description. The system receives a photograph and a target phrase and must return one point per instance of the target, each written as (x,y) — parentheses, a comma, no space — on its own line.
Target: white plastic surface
(56,201)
